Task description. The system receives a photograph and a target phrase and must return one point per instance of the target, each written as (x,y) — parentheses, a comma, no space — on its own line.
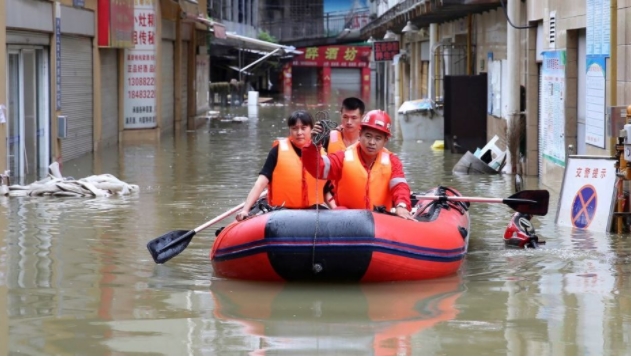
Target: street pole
(431,85)
(513,50)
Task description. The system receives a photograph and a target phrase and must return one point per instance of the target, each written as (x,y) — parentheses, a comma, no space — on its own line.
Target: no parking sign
(588,193)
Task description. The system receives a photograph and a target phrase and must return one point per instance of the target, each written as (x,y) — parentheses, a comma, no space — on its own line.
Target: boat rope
(327,126)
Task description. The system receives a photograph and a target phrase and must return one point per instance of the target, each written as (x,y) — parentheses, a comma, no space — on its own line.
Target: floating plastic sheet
(412,106)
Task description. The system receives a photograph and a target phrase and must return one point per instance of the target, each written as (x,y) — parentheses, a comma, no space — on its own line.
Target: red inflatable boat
(346,245)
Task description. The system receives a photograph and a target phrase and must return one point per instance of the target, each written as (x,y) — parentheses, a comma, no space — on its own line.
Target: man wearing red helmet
(365,174)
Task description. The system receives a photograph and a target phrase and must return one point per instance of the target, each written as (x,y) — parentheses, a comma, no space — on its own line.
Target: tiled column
(365,92)
(286,78)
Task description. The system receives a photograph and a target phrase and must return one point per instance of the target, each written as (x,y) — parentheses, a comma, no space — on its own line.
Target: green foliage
(265,36)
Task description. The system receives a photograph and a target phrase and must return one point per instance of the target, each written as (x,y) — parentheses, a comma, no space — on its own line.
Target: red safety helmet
(377,119)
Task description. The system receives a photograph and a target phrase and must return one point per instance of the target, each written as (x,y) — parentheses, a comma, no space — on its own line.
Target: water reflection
(298,319)
(75,276)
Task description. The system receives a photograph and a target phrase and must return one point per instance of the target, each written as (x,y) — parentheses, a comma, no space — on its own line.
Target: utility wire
(511,23)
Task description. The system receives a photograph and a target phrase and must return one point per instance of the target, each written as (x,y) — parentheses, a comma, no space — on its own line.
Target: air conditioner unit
(62,126)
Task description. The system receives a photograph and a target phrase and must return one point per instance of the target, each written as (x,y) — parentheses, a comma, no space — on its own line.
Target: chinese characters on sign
(334,56)
(140,69)
(385,50)
(552,128)
(591,172)
(116,23)
(595,101)
(587,194)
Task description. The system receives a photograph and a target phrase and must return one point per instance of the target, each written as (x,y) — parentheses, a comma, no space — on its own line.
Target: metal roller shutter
(304,77)
(184,82)
(167,86)
(347,81)
(76,97)
(109,96)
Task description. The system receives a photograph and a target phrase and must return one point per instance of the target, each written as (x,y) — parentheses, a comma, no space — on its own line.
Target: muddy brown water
(75,277)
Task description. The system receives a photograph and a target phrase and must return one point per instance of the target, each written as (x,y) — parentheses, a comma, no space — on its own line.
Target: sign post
(385,50)
(588,193)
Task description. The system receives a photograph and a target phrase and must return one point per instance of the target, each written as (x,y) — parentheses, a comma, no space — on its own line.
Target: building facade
(558,64)
(83,75)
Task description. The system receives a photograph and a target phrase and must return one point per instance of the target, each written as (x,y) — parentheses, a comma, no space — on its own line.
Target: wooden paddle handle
(222,216)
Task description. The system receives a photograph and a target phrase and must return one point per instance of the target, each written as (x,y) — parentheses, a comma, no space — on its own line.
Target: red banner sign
(333,56)
(116,23)
(385,50)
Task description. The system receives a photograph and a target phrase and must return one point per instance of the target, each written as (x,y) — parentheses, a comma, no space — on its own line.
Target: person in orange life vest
(347,133)
(365,174)
(288,183)
(343,136)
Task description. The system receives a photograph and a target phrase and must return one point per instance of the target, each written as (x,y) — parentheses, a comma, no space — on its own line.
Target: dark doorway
(465,112)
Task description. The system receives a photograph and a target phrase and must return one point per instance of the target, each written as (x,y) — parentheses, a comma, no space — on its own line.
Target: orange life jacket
(336,142)
(360,189)
(292,186)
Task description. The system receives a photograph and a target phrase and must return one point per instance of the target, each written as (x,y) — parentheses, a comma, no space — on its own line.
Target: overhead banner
(140,70)
(588,193)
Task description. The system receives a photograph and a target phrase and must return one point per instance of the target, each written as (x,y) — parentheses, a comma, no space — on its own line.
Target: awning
(256,44)
(422,13)
(242,70)
(236,40)
(231,39)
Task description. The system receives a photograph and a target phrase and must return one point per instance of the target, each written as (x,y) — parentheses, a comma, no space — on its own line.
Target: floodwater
(76,278)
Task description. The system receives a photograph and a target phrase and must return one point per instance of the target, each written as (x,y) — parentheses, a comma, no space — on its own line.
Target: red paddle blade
(533,202)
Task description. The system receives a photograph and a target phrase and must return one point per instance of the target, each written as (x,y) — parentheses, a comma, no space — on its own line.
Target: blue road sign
(584,207)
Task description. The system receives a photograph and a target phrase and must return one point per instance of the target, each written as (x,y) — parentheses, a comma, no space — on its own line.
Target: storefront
(115,34)
(76,94)
(342,71)
(26,111)
(109,96)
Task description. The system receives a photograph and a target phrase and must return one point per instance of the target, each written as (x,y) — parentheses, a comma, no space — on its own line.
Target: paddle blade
(533,202)
(169,245)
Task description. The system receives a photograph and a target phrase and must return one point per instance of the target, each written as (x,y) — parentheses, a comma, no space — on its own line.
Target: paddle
(169,245)
(533,202)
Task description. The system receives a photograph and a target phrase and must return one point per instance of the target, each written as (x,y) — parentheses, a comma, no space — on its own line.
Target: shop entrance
(28,144)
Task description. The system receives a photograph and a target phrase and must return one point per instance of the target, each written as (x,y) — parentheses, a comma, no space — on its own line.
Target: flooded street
(76,278)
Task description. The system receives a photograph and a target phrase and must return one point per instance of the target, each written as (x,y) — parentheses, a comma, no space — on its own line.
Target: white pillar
(513,50)
(397,81)
(433,34)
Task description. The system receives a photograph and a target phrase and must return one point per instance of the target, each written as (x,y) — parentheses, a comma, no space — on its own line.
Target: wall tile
(621,27)
(621,63)
(620,93)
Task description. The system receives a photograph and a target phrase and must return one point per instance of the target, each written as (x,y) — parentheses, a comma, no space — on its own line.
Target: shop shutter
(184,82)
(167,106)
(346,81)
(76,96)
